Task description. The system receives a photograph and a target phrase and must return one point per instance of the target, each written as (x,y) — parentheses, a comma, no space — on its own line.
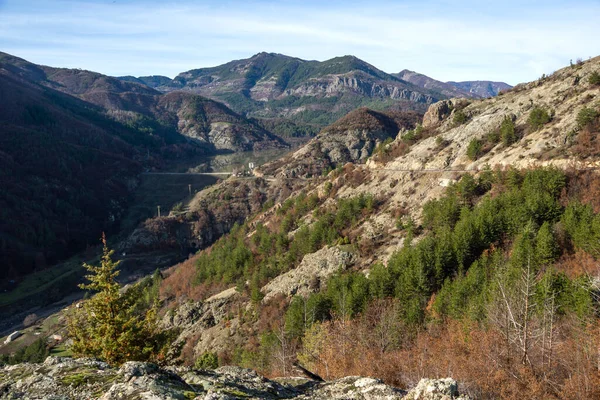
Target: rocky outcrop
(435,389)
(307,277)
(72,379)
(353,387)
(353,138)
(437,112)
(209,324)
(359,83)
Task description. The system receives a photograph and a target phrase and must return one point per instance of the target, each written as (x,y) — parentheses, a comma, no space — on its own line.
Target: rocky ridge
(65,378)
(353,138)
(426,82)
(179,118)
(562,95)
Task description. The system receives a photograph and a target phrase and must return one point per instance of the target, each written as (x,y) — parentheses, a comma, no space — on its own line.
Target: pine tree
(107,326)
(546,248)
(507,131)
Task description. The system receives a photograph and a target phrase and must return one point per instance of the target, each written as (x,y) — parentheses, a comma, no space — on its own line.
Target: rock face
(208,323)
(65,378)
(353,138)
(437,112)
(314,269)
(435,389)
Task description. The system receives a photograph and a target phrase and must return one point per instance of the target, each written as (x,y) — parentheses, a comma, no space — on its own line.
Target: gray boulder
(307,277)
(435,389)
(70,379)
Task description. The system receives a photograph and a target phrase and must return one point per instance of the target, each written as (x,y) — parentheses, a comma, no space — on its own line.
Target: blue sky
(448,40)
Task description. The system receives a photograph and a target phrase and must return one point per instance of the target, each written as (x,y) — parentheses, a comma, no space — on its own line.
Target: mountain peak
(264,54)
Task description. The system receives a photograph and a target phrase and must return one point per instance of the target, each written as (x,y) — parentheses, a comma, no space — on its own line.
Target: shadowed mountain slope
(186,120)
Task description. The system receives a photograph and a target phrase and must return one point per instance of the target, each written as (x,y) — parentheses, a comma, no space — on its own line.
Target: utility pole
(158,211)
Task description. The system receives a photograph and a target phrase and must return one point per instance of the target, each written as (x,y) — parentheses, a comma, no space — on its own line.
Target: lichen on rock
(73,379)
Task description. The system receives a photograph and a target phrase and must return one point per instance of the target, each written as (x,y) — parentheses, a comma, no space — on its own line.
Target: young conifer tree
(107,326)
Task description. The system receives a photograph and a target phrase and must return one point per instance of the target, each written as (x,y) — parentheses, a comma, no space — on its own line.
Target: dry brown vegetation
(584,186)
(375,344)
(398,149)
(179,283)
(355,176)
(370,120)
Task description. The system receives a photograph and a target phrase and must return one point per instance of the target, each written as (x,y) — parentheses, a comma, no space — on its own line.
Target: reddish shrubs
(355,176)
(476,356)
(583,186)
(179,283)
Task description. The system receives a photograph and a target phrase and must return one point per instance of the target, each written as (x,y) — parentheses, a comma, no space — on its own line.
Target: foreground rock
(65,378)
(314,269)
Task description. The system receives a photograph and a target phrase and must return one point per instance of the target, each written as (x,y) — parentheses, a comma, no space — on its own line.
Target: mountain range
(73,143)
(379,226)
(394,243)
(113,128)
(469,89)
(269,85)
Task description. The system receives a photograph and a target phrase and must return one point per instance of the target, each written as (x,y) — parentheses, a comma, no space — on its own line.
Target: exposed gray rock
(352,145)
(435,389)
(70,379)
(352,138)
(208,322)
(354,387)
(437,112)
(307,277)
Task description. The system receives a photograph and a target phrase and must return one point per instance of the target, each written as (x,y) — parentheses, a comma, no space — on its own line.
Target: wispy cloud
(446,40)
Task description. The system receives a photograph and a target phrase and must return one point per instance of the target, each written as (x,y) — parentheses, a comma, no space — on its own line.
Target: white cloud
(167,39)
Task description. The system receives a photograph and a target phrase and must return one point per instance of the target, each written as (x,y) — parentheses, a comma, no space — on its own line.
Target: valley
(395,226)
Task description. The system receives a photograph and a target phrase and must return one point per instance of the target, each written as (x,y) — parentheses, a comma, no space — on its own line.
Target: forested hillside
(464,245)
(433,259)
(73,143)
(66,175)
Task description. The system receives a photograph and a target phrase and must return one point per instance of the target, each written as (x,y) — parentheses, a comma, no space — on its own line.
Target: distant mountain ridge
(269,85)
(482,89)
(424,81)
(469,89)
